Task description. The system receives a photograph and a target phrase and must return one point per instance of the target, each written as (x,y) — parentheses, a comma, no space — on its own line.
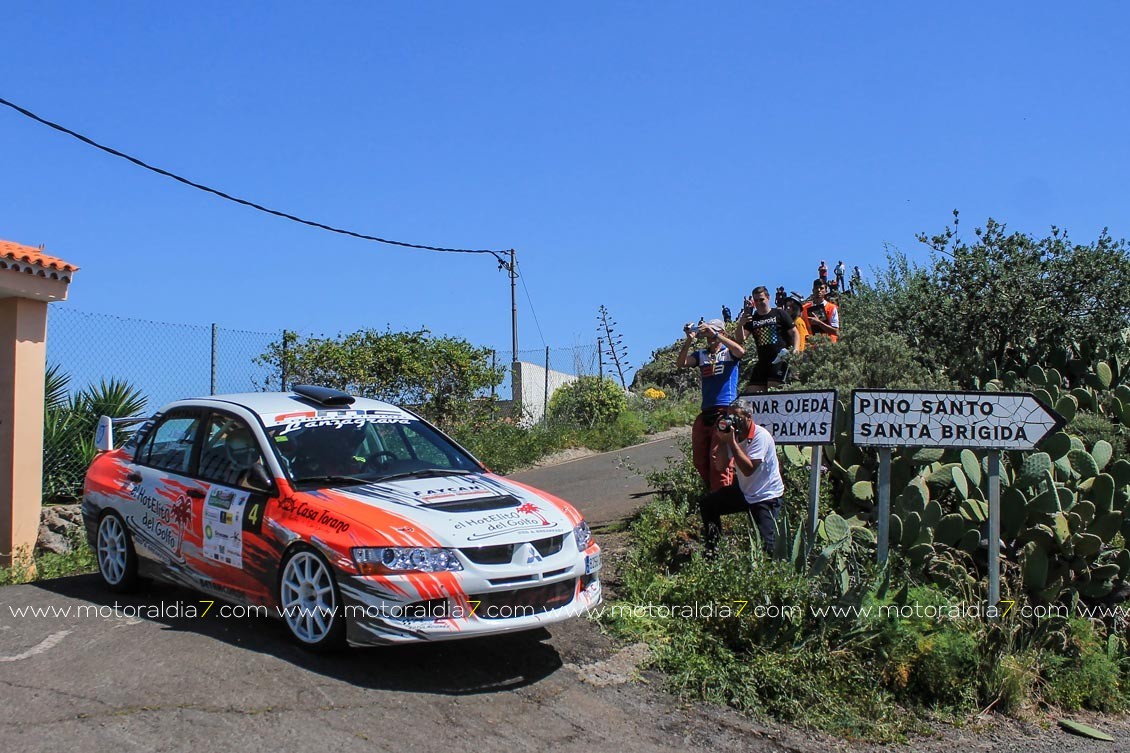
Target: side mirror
(104,435)
(257,479)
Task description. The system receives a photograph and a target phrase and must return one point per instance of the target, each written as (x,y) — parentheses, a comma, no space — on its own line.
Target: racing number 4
(253,513)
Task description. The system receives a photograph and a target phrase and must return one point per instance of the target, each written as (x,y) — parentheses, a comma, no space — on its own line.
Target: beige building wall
(29,280)
(23,356)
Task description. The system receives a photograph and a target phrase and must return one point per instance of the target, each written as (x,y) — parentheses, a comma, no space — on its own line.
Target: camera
(736,423)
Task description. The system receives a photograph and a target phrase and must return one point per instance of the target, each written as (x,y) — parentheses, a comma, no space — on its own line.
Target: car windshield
(355,450)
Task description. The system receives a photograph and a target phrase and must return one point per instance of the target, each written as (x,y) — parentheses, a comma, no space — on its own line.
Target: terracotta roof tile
(19,258)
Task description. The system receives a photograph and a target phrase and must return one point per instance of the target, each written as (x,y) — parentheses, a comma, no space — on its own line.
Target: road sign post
(799,418)
(994,527)
(992,421)
(884,542)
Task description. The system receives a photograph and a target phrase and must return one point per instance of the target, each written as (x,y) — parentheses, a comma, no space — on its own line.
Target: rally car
(353,520)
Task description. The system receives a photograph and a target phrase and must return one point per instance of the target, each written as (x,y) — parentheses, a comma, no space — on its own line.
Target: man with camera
(759,486)
(718,365)
(774,334)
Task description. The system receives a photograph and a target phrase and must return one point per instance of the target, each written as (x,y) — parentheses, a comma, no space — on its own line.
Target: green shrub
(1012,682)
(1092,427)
(626,429)
(678,481)
(1088,674)
(504,446)
(48,565)
(587,402)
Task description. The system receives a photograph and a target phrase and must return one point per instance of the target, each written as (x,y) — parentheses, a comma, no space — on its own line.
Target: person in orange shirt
(821,315)
(792,307)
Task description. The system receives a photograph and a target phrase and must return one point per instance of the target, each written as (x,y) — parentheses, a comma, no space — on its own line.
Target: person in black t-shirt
(773,333)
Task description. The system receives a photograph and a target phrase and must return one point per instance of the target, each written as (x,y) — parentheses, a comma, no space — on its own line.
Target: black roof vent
(323,395)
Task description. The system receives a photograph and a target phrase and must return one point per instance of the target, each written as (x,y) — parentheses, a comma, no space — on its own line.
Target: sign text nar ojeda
(803,418)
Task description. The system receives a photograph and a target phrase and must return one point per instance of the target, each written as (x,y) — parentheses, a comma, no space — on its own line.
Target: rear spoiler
(104,435)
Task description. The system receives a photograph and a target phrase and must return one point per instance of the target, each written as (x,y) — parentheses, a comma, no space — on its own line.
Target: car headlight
(381,560)
(583,536)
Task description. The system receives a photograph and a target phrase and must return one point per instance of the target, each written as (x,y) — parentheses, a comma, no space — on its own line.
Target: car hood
(477,509)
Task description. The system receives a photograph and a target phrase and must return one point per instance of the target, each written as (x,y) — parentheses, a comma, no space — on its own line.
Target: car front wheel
(117,560)
(310,601)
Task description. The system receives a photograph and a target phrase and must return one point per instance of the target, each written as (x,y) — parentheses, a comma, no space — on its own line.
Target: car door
(232,466)
(162,492)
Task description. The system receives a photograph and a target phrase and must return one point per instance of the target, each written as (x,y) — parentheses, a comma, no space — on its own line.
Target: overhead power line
(236,199)
(522,277)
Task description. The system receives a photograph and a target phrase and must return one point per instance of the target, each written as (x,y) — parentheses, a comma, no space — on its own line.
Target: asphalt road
(101,672)
(605,487)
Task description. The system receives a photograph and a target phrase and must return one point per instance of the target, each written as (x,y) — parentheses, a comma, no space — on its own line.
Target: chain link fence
(162,361)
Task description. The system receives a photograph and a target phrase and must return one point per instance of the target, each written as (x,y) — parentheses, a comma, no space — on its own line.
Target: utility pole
(511,268)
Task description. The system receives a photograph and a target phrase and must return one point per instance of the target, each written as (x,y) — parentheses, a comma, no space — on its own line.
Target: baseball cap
(716,325)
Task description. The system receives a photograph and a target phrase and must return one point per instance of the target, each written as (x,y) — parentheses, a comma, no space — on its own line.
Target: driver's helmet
(241,447)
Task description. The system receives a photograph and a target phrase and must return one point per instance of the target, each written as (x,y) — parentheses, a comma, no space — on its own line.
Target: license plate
(592,563)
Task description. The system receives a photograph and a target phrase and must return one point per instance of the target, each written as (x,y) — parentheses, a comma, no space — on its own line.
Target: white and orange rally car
(351,519)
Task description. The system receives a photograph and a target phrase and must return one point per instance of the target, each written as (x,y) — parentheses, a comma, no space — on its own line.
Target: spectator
(779,299)
(759,486)
(793,309)
(856,279)
(841,270)
(823,270)
(718,365)
(773,334)
(822,316)
(727,317)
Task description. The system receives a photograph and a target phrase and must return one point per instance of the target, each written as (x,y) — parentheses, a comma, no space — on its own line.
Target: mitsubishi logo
(532,555)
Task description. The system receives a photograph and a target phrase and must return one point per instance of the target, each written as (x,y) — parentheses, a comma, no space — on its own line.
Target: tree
(439,376)
(1009,297)
(1005,298)
(588,401)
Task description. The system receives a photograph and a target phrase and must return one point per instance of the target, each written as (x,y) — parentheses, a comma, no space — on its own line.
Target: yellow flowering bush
(651,393)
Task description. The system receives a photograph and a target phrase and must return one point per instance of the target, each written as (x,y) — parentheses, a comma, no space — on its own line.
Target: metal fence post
(600,356)
(282,367)
(214,330)
(545,398)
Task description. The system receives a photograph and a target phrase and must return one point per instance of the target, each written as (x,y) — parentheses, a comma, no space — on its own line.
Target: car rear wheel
(117,560)
(310,601)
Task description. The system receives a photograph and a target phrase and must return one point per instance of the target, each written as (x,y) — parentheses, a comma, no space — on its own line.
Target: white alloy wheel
(308,597)
(117,562)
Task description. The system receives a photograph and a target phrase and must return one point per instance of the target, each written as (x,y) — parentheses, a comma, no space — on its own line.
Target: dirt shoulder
(727,729)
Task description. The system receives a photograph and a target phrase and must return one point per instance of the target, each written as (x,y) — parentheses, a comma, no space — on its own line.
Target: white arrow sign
(986,420)
(805,418)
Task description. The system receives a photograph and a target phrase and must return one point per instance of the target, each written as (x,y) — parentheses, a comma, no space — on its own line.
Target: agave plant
(68,428)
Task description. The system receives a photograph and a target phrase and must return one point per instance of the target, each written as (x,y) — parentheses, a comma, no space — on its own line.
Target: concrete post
(23,359)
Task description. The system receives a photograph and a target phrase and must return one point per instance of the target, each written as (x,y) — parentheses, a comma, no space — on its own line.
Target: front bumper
(480,600)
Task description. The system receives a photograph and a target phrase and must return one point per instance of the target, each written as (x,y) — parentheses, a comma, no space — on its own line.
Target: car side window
(424,448)
(169,444)
(385,438)
(229,450)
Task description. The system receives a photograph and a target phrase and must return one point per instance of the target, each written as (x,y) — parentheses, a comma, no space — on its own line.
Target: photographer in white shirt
(758,486)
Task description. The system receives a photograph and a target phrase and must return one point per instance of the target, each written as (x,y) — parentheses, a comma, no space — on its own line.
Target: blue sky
(659,158)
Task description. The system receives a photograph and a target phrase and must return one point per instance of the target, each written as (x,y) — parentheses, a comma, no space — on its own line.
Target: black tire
(113,549)
(310,601)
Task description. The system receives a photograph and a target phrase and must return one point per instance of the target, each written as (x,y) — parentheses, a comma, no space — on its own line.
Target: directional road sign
(806,418)
(979,420)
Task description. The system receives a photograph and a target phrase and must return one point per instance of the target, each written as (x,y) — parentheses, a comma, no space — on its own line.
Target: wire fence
(166,361)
